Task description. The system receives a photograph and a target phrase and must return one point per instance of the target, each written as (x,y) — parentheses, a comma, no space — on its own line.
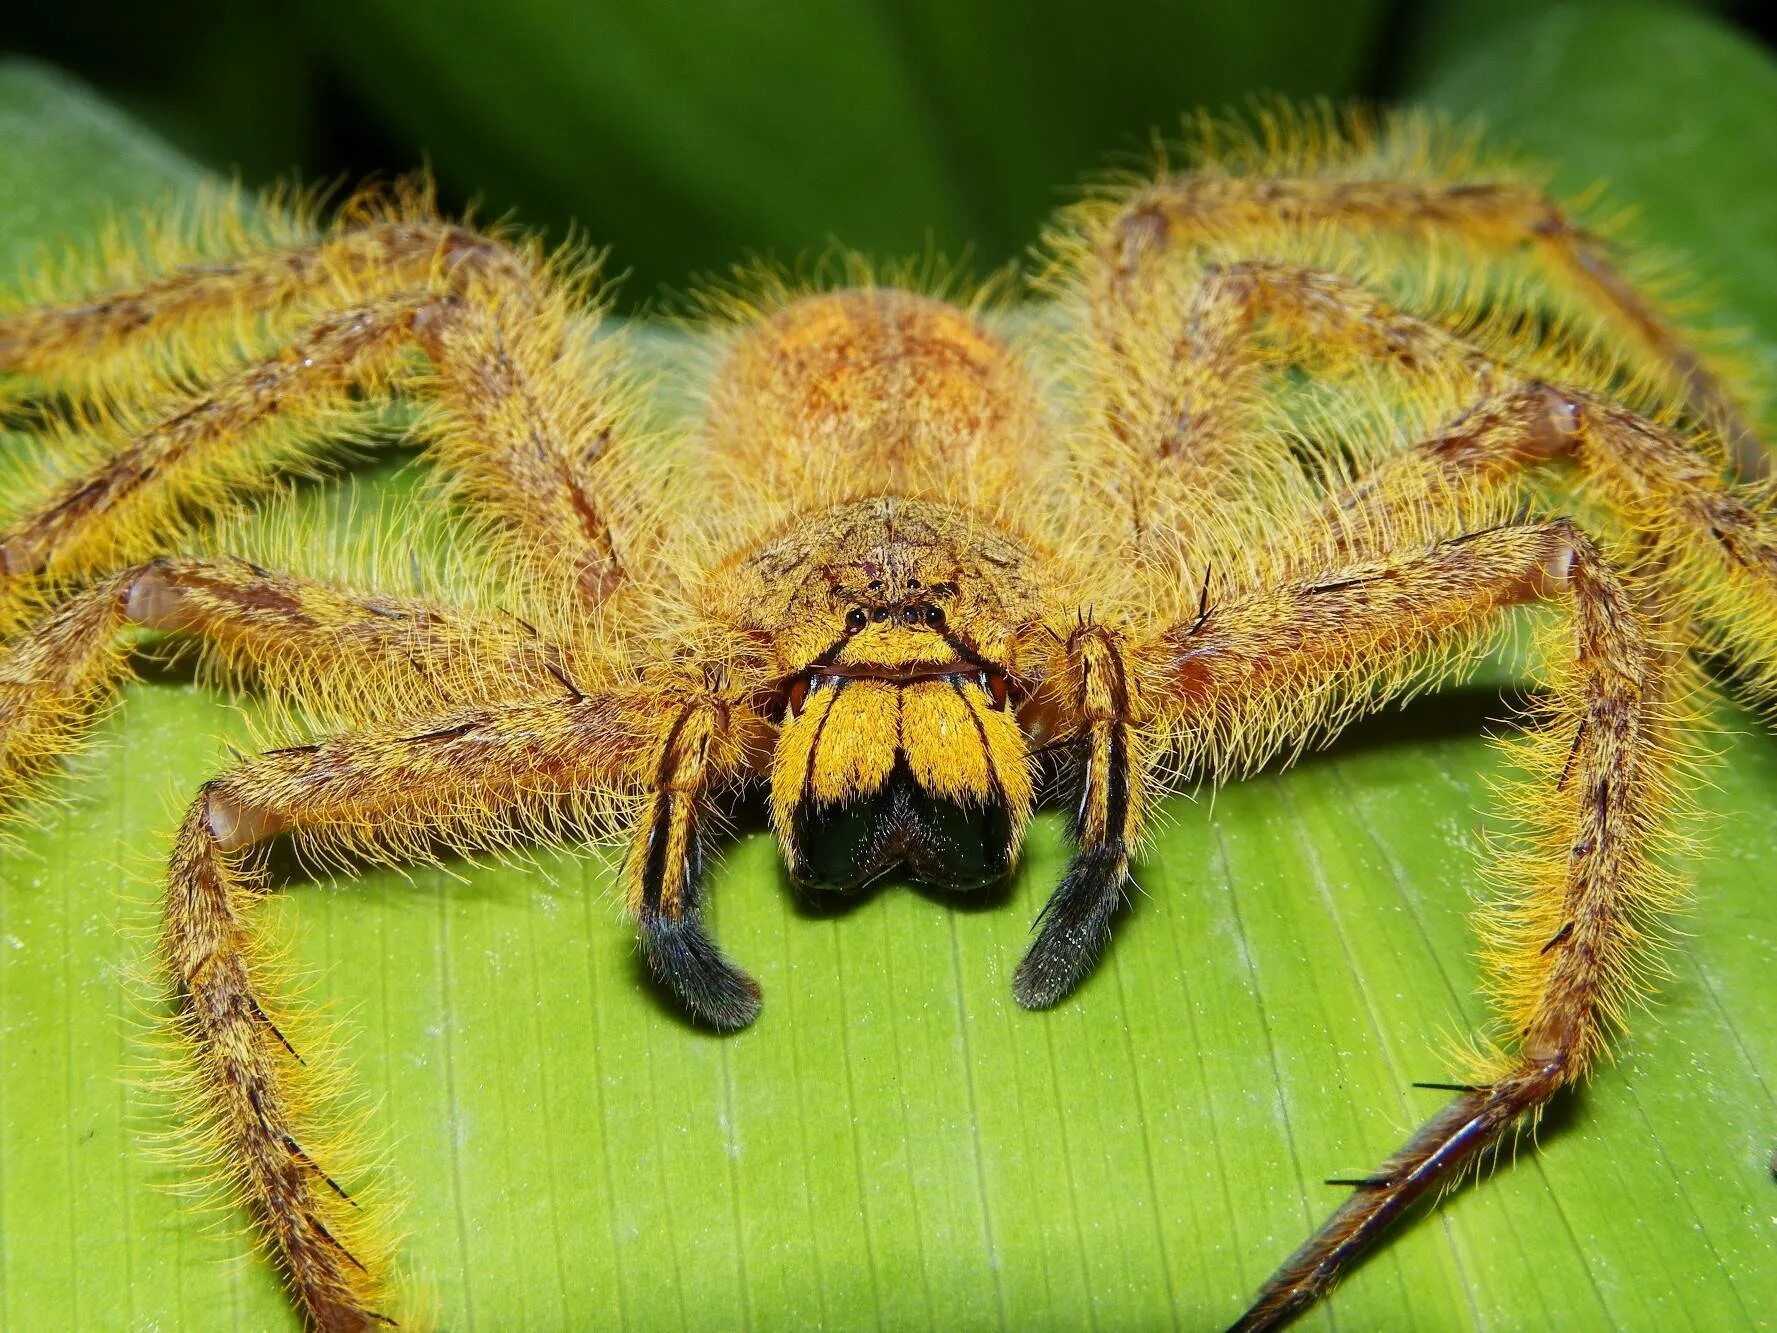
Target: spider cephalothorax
(1253,471)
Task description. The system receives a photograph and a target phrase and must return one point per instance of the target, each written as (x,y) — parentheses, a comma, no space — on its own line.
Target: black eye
(854,619)
(910,616)
(934,616)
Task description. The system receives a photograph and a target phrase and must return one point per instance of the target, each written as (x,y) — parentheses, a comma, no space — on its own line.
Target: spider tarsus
(1073,928)
(685,960)
(1468,1127)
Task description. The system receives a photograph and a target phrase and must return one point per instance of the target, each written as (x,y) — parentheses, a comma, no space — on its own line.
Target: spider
(1301,422)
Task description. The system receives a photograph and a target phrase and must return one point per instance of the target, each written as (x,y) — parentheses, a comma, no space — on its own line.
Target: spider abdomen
(874,391)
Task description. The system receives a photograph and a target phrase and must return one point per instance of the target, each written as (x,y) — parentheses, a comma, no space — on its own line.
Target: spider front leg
(471,779)
(1250,677)
(1211,212)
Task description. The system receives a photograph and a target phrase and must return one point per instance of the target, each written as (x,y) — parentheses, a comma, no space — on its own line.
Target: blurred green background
(687,133)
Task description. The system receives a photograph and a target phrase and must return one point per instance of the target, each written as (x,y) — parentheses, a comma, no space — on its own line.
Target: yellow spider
(1296,429)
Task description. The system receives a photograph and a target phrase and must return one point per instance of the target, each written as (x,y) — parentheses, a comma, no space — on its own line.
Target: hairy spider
(1297,429)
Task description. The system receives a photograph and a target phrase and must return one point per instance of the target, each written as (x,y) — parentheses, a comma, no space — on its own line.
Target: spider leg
(472,778)
(1256,674)
(1711,545)
(1194,465)
(337,655)
(253,280)
(1198,212)
(525,412)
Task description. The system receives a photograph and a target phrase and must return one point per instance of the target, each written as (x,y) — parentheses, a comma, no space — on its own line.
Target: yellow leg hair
(1711,548)
(336,655)
(1251,676)
(137,499)
(471,779)
(235,280)
(1182,214)
(527,416)
(1190,448)
(1713,545)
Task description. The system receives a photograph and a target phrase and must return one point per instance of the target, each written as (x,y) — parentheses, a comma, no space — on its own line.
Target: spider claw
(684,959)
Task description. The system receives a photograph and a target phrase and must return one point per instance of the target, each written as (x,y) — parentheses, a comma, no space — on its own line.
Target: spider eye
(934,616)
(855,619)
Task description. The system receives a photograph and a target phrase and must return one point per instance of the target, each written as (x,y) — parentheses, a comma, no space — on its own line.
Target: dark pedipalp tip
(1049,973)
(687,962)
(1072,930)
(1067,946)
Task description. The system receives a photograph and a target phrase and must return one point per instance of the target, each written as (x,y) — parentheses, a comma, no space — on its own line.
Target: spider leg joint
(155,600)
(234,824)
(1558,430)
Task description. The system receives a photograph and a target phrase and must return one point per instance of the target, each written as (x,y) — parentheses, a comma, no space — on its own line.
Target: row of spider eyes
(857,617)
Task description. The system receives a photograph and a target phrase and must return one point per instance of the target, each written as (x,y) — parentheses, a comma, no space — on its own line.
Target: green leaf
(896,1142)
